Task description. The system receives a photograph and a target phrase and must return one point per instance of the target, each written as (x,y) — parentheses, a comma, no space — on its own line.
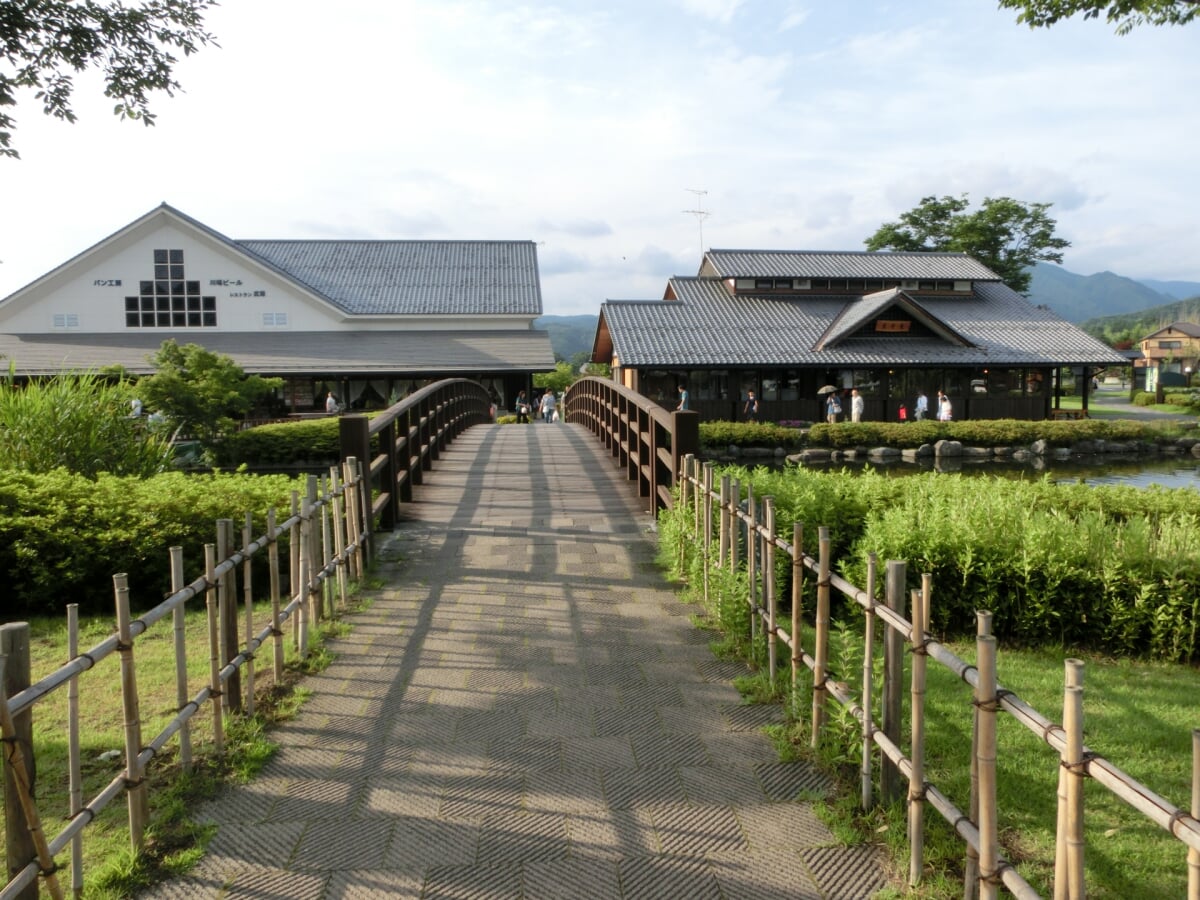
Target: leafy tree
(1006,235)
(1125,14)
(200,391)
(559,380)
(43,42)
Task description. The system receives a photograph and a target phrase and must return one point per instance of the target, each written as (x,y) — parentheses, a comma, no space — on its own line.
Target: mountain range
(1081,299)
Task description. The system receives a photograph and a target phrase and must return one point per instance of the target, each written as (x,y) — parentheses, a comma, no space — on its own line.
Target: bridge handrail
(647,441)
(409,436)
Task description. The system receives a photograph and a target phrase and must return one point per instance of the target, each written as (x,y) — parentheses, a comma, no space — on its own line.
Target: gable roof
(1187,329)
(859,312)
(412,278)
(708,327)
(843,264)
(367,278)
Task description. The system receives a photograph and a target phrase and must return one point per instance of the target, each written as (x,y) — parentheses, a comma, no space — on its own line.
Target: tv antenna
(699,212)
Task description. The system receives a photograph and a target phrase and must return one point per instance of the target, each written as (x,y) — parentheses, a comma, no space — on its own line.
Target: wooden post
(315,607)
(179,625)
(214,649)
(302,588)
(723,532)
(75,764)
(821,638)
(1073,762)
(248,602)
(707,533)
(916,781)
(227,613)
(893,678)
(769,586)
(985,700)
(362,479)
(868,681)
(135,781)
(349,493)
(273,564)
(797,604)
(18,768)
(1193,853)
(328,584)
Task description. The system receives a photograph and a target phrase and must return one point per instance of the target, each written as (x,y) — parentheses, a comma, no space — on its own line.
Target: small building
(1173,352)
(793,325)
(369,320)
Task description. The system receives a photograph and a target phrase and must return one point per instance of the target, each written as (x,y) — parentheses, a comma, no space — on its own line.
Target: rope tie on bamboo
(1079,769)
(276,632)
(91,659)
(131,783)
(920,649)
(992,705)
(49,870)
(919,794)
(123,645)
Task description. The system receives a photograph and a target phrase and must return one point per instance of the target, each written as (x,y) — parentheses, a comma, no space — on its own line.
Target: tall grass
(80,422)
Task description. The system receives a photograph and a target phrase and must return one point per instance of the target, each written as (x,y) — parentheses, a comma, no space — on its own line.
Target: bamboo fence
(750,526)
(326,534)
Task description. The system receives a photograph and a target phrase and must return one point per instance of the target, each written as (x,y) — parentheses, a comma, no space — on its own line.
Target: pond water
(1180,472)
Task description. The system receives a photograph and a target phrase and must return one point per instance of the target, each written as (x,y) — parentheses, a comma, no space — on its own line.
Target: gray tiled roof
(846,264)
(858,312)
(707,327)
(295,352)
(412,278)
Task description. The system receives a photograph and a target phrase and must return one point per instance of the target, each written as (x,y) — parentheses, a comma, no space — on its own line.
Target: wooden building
(786,324)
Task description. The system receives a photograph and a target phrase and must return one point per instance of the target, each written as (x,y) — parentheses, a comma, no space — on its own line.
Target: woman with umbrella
(833,406)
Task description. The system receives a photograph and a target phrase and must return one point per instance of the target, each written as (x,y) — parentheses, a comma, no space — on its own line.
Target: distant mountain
(1145,321)
(569,335)
(1180,290)
(1080,297)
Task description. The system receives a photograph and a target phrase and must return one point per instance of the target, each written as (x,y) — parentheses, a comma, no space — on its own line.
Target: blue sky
(586,127)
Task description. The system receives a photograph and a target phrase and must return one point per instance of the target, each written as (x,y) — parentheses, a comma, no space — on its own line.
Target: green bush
(63,536)
(748,434)
(1143,398)
(282,443)
(1114,569)
(984,432)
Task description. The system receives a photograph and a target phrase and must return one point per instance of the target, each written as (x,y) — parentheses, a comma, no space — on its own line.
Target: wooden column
(14,647)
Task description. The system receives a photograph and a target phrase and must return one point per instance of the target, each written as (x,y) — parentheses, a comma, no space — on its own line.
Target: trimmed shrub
(282,443)
(63,537)
(748,434)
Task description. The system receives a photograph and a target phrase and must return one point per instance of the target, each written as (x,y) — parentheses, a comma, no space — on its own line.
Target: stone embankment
(1041,449)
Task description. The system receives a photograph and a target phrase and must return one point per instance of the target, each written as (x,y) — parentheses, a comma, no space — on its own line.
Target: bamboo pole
(821,640)
(751,561)
(769,586)
(1193,855)
(134,773)
(273,565)
(353,519)
(868,681)
(735,509)
(362,480)
(227,614)
(893,675)
(294,566)
(916,781)
(302,587)
(214,649)
(797,604)
(723,532)
(985,697)
(75,765)
(315,607)
(339,534)
(708,517)
(248,602)
(327,554)
(1073,762)
(179,626)
(23,827)
(971,873)
(1062,880)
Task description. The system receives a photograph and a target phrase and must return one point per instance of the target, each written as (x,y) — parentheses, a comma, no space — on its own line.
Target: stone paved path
(525,711)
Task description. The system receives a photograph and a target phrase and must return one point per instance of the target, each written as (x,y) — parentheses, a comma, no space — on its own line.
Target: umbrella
(828,389)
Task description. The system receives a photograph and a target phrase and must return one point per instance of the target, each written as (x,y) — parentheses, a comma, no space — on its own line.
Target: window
(66,320)
(1170,345)
(170,300)
(275,320)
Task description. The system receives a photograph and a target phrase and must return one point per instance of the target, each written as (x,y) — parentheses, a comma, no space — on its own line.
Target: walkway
(525,711)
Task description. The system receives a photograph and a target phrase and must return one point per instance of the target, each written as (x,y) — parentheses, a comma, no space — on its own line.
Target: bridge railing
(403,441)
(740,536)
(647,441)
(321,543)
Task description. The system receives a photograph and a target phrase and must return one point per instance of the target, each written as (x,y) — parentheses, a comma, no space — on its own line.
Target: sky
(599,129)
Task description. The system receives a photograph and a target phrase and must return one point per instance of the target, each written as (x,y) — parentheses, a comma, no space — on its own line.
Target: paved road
(525,711)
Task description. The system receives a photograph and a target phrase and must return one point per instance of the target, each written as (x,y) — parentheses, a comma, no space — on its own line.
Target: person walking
(683,398)
(522,409)
(945,410)
(833,408)
(548,405)
(331,405)
(857,405)
(750,410)
(922,406)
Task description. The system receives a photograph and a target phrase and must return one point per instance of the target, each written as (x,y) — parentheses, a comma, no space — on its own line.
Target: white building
(368,320)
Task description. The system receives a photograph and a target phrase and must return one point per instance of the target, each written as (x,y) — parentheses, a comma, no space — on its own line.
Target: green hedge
(282,443)
(1114,569)
(986,432)
(63,536)
(748,434)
